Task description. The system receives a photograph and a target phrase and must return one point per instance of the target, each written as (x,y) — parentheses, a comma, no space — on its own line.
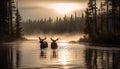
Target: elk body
(54,43)
(43,43)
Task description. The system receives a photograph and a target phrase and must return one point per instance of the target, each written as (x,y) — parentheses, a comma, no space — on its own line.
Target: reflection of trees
(116,60)
(88,57)
(18,56)
(6,57)
(101,59)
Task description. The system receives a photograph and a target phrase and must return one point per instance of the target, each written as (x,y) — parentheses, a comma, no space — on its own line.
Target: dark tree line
(67,24)
(103,23)
(10,19)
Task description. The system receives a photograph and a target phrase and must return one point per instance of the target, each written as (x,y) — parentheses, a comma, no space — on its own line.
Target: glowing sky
(35,9)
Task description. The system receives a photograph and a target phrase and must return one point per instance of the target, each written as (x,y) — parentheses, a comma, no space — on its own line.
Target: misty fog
(68,28)
(62,37)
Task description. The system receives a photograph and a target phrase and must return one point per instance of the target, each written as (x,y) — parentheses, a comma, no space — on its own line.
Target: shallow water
(28,55)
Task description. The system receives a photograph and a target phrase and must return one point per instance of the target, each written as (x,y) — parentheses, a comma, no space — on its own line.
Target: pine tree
(109,17)
(87,28)
(92,19)
(3,18)
(18,24)
(10,17)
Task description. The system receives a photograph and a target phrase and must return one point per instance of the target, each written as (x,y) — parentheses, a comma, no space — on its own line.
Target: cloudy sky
(35,9)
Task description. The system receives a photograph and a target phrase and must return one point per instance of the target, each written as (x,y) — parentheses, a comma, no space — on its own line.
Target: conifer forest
(10,20)
(67,24)
(103,22)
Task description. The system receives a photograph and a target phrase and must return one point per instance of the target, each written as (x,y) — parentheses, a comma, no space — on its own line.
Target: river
(28,55)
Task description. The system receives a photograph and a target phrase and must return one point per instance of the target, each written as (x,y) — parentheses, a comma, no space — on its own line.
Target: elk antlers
(54,39)
(43,38)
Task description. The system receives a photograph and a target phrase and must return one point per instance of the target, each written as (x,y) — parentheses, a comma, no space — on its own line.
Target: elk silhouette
(43,43)
(54,43)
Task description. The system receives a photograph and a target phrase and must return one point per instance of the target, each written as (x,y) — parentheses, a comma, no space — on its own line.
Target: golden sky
(35,9)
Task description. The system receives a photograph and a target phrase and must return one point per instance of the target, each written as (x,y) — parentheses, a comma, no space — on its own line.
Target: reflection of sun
(63,58)
(63,44)
(64,8)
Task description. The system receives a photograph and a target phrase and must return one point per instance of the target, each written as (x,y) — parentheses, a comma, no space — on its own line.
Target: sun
(64,8)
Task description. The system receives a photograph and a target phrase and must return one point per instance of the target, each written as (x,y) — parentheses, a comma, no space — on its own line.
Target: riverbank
(112,42)
(11,39)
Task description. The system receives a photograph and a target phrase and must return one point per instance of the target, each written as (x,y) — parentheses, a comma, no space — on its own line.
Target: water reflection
(10,56)
(6,57)
(43,53)
(102,59)
(28,55)
(64,58)
(54,54)
(18,56)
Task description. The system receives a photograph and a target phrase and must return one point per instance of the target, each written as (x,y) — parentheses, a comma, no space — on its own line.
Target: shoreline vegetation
(5,39)
(105,41)
(102,23)
(109,39)
(10,21)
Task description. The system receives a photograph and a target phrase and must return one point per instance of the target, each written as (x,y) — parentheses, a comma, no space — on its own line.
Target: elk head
(54,41)
(42,40)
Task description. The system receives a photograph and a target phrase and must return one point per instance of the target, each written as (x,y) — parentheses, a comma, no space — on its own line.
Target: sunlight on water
(63,58)
(28,55)
(63,42)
